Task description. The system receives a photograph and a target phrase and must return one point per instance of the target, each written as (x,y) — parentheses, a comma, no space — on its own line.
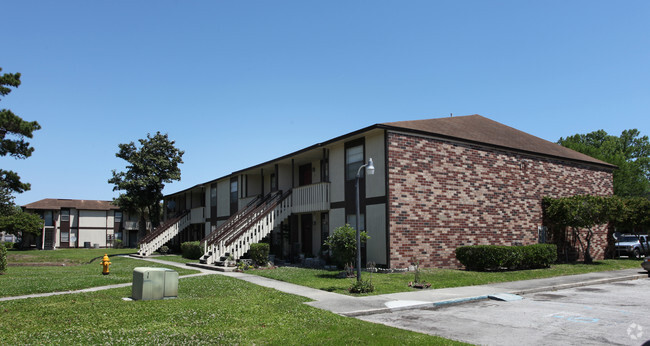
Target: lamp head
(371,167)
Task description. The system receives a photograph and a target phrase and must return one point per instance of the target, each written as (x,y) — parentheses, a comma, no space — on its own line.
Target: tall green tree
(630,152)
(13,131)
(151,165)
(20,222)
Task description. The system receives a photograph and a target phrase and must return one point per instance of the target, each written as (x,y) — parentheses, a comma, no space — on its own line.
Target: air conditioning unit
(154,283)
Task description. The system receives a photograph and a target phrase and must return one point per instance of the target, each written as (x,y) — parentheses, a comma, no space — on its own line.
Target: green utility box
(154,283)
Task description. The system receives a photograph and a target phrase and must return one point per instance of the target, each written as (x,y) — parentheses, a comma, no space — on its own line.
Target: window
(118,216)
(65,237)
(353,160)
(274,182)
(233,190)
(542,233)
(213,195)
(65,215)
(47,217)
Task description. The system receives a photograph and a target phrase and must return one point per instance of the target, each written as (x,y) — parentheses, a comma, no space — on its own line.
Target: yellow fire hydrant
(105,263)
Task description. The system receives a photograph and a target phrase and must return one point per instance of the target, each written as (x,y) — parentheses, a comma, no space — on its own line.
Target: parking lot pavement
(607,314)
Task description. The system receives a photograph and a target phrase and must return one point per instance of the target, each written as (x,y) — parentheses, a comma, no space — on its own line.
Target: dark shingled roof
(56,204)
(478,129)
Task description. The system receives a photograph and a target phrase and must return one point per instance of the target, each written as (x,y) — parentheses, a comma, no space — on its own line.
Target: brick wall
(443,195)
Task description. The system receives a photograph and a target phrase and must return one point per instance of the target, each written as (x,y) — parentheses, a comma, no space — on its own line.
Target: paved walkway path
(356,306)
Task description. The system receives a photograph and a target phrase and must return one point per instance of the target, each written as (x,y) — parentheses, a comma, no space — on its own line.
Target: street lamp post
(370,168)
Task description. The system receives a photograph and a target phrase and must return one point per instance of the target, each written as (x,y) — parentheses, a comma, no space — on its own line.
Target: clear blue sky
(235,83)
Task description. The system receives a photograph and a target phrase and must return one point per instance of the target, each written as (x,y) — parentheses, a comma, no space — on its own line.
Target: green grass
(209,310)
(67,256)
(439,278)
(69,269)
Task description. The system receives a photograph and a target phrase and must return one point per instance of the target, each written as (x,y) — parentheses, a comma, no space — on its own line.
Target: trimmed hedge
(495,257)
(192,250)
(260,253)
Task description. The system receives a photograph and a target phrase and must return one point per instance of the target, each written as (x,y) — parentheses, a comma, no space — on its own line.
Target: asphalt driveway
(607,314)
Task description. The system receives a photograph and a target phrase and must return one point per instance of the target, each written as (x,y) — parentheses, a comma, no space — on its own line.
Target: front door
(306,234)
(304,175)
(133,238)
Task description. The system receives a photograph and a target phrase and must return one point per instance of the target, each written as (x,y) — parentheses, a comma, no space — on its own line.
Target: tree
(630,152)
(6,201)
(13,131)
(631,214)
(151,166)
(20,222)
(578,212)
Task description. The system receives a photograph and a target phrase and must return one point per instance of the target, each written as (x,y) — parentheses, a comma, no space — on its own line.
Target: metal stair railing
(250,227)
(164,233)
(231,222)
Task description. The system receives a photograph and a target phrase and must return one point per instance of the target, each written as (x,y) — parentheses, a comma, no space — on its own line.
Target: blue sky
(235,83)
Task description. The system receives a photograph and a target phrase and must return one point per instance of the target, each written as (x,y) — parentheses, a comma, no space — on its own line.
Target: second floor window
(353,160)
(65,215)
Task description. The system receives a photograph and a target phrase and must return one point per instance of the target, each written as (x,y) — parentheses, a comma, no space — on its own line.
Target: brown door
(64,228)
(306,233)
(304,175)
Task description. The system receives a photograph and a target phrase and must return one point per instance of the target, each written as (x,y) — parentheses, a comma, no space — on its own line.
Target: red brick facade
(444,194)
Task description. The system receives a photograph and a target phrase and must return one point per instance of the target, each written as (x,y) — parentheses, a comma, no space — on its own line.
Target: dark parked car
(630,245)
(646,264)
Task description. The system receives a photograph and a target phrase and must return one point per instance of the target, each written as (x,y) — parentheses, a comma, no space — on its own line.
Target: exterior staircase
(162,234)
(250,225)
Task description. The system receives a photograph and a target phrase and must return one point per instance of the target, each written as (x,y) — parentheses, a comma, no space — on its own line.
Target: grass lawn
(439,278)
(37,271)
(209,309)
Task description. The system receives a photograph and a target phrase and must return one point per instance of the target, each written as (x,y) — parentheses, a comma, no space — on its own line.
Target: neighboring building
(70,223)
(438,184)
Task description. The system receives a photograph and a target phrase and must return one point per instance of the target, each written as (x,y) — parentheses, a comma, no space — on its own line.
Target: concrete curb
(415,306)
(464,300)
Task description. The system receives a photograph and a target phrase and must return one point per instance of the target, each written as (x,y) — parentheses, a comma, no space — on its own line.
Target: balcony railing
(315,197)
(134,225)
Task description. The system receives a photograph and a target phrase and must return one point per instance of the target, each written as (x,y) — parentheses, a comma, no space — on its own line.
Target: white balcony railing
(314,197)
(197,215)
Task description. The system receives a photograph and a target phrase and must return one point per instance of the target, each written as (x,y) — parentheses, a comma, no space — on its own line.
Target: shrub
(494,257)
(260,253)
(192,250)
(3,258)
(164,250)
(363,286)
(117,243)
(343,243)
(9,245)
